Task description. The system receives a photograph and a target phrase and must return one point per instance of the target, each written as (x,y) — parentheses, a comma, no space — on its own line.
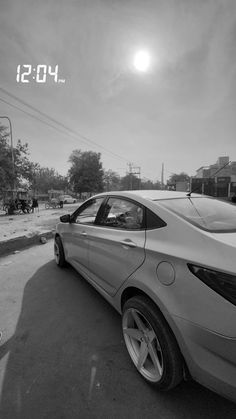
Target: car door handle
(83,233)
(128,243)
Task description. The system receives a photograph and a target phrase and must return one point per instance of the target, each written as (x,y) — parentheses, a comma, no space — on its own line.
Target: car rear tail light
(222,283)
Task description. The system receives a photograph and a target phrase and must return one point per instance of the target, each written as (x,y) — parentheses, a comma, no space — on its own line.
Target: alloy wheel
(143,345)
(56,252)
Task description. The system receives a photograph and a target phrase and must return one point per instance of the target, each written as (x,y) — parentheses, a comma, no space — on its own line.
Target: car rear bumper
(211,357)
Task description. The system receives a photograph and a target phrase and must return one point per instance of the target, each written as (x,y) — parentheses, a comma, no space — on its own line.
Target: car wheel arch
(134,292)
(131,292)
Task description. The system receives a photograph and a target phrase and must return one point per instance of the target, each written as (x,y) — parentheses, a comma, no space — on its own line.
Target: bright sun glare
(142,61)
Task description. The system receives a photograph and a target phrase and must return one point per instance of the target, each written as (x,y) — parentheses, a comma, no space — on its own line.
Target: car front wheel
(59,252)
(151,344)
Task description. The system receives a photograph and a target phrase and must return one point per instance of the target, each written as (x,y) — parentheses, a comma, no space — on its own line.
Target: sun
(142,61)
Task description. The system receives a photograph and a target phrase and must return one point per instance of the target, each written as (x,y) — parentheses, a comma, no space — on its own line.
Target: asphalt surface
(62,353)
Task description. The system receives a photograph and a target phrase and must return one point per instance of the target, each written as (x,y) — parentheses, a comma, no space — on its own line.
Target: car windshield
(206,213)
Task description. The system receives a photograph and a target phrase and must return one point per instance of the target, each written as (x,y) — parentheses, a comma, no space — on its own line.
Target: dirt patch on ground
(12,226)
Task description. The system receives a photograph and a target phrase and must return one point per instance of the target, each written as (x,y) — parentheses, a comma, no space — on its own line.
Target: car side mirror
(65,218)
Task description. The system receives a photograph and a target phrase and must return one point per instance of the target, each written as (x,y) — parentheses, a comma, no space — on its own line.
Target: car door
(116,243)
(77,233)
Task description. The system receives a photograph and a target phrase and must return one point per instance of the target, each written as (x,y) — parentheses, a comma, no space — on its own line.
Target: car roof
(151,195)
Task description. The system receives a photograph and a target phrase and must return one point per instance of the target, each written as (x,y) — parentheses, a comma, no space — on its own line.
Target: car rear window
(206,213)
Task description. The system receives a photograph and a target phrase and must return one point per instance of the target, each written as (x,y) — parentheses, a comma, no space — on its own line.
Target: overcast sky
(181,112)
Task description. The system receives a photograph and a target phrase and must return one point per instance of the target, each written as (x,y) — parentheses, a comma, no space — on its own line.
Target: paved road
(62,354)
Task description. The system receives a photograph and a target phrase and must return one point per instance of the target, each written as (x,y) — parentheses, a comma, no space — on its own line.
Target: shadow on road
(67,359)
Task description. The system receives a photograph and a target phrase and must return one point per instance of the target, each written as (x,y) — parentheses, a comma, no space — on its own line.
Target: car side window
(88,212)
(122,214)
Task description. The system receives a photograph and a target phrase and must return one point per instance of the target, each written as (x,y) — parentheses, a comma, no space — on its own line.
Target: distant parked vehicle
(54,199)
(16,201)
(52,203)
(67,199)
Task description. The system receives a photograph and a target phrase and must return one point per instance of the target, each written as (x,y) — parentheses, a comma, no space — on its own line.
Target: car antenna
(189,194)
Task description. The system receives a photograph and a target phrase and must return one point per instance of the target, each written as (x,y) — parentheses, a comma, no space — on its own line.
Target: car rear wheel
(151,344)
(59,252)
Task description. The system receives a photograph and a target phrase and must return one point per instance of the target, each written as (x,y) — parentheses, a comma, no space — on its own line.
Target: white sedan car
(67,199)
(167,262)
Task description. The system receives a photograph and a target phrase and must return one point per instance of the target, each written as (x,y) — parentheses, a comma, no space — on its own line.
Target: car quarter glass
(153,221)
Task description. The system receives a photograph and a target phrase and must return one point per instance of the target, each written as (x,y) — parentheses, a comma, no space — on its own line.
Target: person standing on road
(23,206)
(61,201)
(34,204)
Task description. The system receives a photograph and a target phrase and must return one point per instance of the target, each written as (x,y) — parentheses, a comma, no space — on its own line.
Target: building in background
(218,179)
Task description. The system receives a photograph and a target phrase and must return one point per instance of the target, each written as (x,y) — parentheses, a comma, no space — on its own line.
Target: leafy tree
(13,172)
(157,185)
(111,180)
(6,167)
(181,177)
(23,165)
(130,182)
(25,173)
(43,179)
(86,172)
(148,184)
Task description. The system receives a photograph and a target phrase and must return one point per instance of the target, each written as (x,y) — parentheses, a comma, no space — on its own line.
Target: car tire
(151,344)
(59,252)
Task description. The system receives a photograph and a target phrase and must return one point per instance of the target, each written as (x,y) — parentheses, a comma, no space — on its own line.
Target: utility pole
(130,176)
(162,176)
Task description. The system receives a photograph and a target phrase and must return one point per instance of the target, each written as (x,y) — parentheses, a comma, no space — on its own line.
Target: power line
(69,130)
(33,116)
(82,138)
